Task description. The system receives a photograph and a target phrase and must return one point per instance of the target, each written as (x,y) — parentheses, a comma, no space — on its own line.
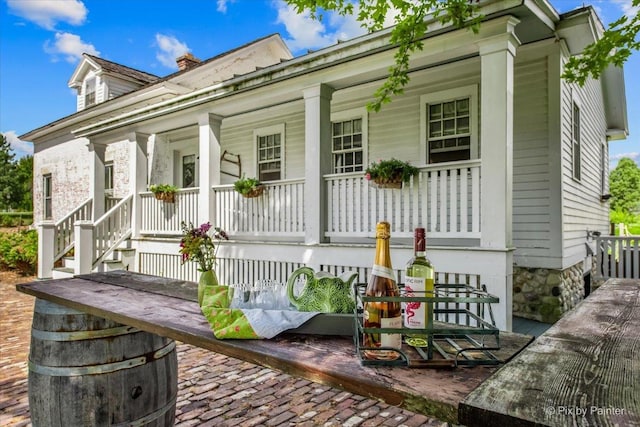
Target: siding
(237,138)
(531,180)
(582,208)
(117,87)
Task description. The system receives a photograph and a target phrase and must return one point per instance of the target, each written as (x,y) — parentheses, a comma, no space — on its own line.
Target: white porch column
(209,162)
(496,136)
(317,159)
(138,177)
(97,172)
(46,238)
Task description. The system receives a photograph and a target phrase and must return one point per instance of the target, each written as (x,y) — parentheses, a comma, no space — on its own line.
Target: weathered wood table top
(583,371)
(168,308)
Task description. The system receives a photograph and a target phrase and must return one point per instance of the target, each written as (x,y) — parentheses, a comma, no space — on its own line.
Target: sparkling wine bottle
(382,314)
(419,278)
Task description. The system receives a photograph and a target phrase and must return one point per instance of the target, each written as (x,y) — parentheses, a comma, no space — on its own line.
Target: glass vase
(207,278)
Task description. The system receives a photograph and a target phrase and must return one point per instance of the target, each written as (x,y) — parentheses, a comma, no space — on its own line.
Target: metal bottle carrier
(457,334)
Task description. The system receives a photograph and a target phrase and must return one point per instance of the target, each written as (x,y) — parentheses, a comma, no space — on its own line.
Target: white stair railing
(64,229)
(112,229)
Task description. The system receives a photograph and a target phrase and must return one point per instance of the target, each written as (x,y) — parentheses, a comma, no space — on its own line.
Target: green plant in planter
(390,171)
(248,187)
(164,192)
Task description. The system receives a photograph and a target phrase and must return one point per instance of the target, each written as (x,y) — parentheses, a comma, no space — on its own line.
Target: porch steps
(123,258)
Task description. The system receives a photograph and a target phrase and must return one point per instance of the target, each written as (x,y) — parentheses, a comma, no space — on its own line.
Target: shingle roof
(112,67)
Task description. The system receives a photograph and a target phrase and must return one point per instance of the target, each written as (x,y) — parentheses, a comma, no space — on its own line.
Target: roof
(113,67)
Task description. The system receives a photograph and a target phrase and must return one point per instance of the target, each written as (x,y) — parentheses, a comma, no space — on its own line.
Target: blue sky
(42,40)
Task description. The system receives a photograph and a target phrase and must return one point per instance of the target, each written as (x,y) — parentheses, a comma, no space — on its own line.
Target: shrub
(15,219)
(19,251)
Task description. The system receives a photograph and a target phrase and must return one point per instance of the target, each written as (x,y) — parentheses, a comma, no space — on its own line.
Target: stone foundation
(545,295)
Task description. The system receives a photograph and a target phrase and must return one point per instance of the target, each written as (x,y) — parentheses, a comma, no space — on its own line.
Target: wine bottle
(382,314)
(419,278)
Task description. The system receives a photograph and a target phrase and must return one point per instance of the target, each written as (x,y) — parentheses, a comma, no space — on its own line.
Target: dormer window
(90,92)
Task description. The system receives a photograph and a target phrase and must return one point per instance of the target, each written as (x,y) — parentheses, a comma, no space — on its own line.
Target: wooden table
(168,308)
(583,371)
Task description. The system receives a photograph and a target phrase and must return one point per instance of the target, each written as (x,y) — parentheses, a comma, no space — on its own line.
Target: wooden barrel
(88,371)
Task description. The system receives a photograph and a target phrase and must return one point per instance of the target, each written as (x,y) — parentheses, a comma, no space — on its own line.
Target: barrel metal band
(82,335)
(76,371)
(164,350)
(152,416)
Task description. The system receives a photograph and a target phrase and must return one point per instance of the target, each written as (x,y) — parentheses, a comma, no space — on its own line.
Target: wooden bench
(584,370)
(168,308)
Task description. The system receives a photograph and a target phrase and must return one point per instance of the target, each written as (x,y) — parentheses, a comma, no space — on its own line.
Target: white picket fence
(618,257)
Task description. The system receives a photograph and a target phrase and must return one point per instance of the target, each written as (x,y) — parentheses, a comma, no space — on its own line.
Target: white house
(513,160)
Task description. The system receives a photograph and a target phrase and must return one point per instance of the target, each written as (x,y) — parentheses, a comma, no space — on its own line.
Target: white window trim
(355,113)
(470,91)
(266,131)
(47,177)
(575,100)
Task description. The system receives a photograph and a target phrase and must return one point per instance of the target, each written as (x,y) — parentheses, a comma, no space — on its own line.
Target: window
(269,147)
(47,190)
(189,171)
(449,125)
(347,144)
(575,142)
(90,92)
(108,176)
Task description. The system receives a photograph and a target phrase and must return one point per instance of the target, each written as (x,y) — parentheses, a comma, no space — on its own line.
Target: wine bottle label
(391,340)
(414,311)
(386,272)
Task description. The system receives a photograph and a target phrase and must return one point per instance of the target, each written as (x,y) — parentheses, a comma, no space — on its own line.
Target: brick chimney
(186,61)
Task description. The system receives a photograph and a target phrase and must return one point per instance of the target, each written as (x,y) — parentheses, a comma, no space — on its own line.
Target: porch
(443,198)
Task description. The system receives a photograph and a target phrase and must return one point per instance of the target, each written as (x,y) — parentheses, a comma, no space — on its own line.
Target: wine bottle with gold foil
(382,314)
(419,278)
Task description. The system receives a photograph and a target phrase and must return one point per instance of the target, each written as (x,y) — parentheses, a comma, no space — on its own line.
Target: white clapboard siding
(581,199)
(531,176)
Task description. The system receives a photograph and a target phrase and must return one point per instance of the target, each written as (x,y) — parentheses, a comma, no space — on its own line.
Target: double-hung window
(108,177)
(189,171)
(90,92)
(47,190)
(270,152)
(348,140)
(575,141)
(449,125)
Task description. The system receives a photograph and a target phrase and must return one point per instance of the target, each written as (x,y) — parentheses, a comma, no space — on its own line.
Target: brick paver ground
(213,390)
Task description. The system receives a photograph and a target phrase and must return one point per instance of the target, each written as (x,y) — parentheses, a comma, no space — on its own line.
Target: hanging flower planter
(164,192)
(393,183)
(249,187)
(391,173)
(254,192)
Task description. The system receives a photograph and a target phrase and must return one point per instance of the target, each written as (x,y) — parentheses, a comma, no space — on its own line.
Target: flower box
(254,192)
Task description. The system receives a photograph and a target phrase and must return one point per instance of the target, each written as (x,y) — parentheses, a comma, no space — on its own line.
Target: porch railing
(618,257)
(64,236)
(112,229)
(163,218)
(445,199)
(278,211)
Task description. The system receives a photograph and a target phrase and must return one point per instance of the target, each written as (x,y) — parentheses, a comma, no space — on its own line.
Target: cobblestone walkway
(213,390)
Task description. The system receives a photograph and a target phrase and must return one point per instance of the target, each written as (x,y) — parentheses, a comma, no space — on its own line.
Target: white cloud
(70,46)
(170,49)
(46,13)
(627,8)
(20,147)
(307,33)
(222,5)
